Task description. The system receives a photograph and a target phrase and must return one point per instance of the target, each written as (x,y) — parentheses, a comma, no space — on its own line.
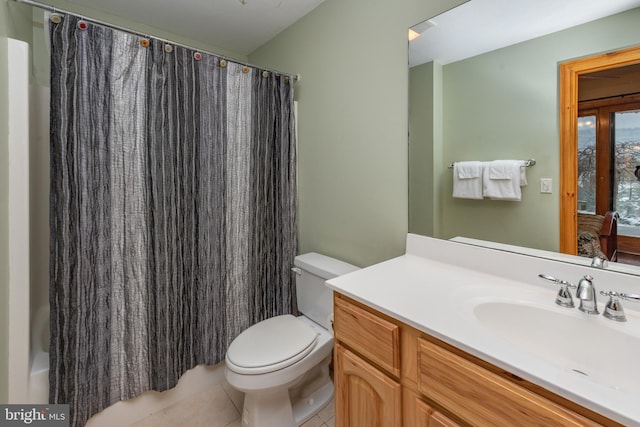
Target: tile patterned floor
(220,406)
(324,418)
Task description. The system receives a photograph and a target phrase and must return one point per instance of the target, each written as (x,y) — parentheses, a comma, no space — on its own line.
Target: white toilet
(282,363)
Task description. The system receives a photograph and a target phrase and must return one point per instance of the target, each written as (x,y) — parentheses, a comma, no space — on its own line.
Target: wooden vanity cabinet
(389,374)
(368,392)
(365,396)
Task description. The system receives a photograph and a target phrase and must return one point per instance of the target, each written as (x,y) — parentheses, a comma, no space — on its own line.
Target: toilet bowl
(282,363)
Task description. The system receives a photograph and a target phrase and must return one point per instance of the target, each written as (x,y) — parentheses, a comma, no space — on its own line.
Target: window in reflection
(609,167)
(625,131)
(587,164)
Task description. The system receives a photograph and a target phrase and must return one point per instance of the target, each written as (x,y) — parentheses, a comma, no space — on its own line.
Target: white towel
(503,169)
(467,180)
(501,180)
(523,175)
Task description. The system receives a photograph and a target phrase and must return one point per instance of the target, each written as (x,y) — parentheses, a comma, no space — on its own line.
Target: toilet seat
(270,345)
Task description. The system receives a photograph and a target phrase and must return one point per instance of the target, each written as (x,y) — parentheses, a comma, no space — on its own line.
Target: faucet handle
(630,297)
(563,298)
(613,309)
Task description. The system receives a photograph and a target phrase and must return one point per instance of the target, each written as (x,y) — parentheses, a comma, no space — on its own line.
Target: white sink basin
(591,346)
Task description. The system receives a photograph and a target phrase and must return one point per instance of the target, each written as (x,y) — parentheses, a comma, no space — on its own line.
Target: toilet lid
(272,344)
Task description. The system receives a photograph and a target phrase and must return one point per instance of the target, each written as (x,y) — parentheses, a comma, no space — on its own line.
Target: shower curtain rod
(55,9)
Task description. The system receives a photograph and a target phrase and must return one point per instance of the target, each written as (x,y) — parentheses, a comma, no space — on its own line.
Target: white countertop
(437,284)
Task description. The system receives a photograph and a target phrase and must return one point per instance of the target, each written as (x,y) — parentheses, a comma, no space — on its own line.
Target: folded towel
(502,179)
(467,170)
(467,180)
(503,169)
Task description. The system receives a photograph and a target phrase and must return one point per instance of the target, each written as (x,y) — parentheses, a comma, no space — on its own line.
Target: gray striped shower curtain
(172,211)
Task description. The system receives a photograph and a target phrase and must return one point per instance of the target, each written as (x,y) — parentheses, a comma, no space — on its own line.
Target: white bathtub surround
(17,57)
(482,300)
(28,173)
(39,369)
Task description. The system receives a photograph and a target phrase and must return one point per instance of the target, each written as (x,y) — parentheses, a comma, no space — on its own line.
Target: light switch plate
(545,185)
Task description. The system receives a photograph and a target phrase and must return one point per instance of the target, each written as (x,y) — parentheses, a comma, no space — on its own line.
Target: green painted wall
(425,148)
(421,159)
(504,104)
(14,20)
(352,123)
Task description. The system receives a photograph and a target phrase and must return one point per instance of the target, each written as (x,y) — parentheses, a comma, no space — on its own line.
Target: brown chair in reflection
(598,235)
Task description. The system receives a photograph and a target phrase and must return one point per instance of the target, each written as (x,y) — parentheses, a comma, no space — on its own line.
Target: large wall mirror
(484,85)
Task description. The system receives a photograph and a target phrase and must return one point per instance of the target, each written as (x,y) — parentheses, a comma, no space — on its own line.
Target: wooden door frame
(569,73)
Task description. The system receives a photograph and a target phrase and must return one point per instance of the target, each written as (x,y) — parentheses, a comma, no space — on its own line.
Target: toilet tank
(315,300)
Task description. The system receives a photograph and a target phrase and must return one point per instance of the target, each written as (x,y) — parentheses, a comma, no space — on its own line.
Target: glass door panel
(625,131)
(587,164)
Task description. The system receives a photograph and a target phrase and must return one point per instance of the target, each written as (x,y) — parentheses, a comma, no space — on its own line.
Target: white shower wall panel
(18,213)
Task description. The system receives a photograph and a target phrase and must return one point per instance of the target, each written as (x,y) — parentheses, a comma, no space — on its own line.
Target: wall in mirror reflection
(498,105)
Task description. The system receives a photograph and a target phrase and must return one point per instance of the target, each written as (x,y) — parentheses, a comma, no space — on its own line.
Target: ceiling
(480,26)
(227,24)
(608,83)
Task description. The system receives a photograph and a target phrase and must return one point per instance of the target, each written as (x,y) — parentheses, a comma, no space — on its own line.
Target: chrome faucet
(586,293)
(599,262)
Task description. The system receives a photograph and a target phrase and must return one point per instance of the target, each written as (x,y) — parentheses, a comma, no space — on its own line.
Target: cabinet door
(417,413)
(365,397)
(426,416)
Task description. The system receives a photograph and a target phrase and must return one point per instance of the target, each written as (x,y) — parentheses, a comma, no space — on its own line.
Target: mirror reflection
(478,96)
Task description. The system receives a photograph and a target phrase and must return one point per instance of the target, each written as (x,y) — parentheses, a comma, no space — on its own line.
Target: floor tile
(315,421)
(235,423)
(237,397)
(327,412)
(218,407)
(210,408)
